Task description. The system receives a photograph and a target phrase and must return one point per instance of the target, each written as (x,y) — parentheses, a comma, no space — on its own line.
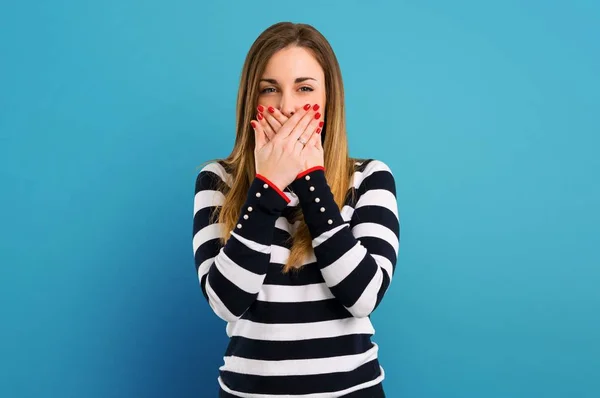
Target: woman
(295,243)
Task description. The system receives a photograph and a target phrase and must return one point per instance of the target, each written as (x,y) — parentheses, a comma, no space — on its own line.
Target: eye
(306,89)
(267,90)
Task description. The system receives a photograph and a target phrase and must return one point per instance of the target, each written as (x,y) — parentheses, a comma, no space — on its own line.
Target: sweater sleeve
(357,259)
(231,275)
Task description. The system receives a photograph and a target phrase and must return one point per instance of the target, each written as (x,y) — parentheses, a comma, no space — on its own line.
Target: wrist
(310,170)
(275,185)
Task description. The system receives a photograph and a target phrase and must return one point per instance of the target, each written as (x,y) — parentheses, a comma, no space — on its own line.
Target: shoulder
(213,175)
(373,174)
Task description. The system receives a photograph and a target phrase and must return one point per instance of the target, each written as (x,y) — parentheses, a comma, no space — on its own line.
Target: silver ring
(302,142)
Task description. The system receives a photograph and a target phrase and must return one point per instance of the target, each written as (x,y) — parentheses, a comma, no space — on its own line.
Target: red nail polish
(253,123)
(260,116)
(261,108)
(321,124)
(271,109)
(317,115)
(316,107)
(318,131)
(306,107)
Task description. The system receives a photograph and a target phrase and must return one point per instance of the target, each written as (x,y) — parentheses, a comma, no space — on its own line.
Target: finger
(265,126)
(272,122)
(320,137)
(313,127)
(289,126)
(277,115)
(311,117)
(309,131)
(260,139)
(315,140)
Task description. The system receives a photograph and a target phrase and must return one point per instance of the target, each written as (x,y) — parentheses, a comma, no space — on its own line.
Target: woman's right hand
(280,159)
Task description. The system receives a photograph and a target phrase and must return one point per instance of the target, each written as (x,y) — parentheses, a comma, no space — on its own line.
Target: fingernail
(271,109)
(318,131)
(260,116)
(253,123)
(321,124)
(317,115)
(306,107)
(261,108)
(316,107)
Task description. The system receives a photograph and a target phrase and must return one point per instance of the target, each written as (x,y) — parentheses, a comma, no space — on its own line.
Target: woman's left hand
(313,149)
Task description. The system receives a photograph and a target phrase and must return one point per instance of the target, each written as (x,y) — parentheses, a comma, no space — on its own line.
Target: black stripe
(245,257)
(384,286)
(235,299)
(375,245)
(304,312)
(311,384)
(349,290)
(380,179)
(377,215)
(204,217)
(307,275)
(206,250)
(203,285)
(342,241)
(301,349)
(208,180)
(292,213)
(281,238)
(375,391)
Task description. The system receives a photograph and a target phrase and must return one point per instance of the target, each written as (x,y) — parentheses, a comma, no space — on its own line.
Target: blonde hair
(339,167)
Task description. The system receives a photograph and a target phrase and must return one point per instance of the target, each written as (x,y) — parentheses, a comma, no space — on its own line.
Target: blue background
(487,114)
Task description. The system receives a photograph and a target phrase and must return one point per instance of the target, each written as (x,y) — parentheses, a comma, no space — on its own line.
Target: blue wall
(488,114)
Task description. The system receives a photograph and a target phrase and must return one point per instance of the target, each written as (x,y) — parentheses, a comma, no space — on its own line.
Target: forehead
(292,62)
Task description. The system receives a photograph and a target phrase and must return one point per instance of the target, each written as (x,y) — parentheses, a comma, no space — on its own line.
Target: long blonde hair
(240,163)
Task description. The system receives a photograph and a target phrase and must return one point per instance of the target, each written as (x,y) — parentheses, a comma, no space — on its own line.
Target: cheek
(269,100)
(319,98)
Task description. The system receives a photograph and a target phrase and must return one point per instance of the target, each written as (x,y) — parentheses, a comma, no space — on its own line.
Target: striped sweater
(305,333)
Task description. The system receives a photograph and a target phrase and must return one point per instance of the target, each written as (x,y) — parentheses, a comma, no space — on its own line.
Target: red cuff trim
(305,172)
(279,191)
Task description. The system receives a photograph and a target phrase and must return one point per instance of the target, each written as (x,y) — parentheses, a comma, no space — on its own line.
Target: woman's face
(292,79)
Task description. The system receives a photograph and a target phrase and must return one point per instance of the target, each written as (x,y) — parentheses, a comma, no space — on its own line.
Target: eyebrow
(298,80)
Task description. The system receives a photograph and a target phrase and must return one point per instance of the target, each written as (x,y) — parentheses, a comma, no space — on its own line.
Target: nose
(288,105)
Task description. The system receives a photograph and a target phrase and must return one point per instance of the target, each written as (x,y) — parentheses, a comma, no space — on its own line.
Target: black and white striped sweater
(306,333)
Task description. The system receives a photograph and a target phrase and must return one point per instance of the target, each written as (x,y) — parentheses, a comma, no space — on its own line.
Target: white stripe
(280,255)
(327,234)
(371,168)
(337,271)
(207,233)
(331,394)
(366,302)
(347,212)
(294,294)
(257,247)
(207,198)
(385,264)
(246,280)
(379,197)
(374,230)
(217,305)
(220,171)
(205,267)
(283,224)
(300,331)
(299,367)
(294,200)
